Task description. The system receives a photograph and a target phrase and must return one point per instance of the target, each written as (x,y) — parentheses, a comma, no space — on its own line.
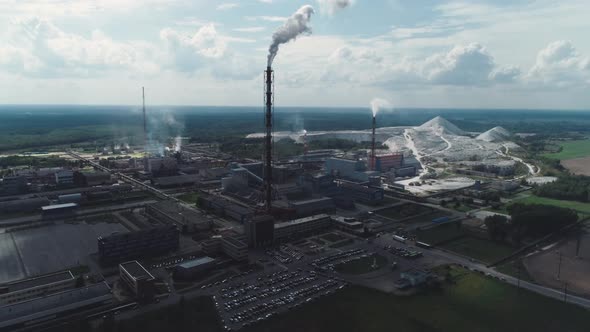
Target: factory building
(316,183)
(299,227)
(231,246)
(53,306)
(165,166)
(384,163)
(137,279)
(353,170)
(194,268)
(360,192)
(412,278)
(24,205)
(91,178)
(225,208)
(350,225)
(28,289)
(406,171)
(64,178)
(175,181)
(260,231)
(313,206)
(69,198)
(13,185)
(151,242)
(170,212)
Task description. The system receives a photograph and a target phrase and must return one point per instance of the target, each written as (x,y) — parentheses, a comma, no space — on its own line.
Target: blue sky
(505,54)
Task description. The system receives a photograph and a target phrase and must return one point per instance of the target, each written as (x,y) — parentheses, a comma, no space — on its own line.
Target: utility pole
(559,267)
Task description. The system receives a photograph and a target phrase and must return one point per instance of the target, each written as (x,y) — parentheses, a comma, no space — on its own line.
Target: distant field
(191,198)
(483,250)
(440,233)
(472,303)
(571,150)
(579,166)
(582,208)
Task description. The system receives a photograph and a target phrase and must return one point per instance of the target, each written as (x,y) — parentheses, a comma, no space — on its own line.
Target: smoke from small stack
(378,104)
(295,25)
(332,6)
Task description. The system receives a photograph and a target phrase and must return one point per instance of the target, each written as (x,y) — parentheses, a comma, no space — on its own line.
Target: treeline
(41,162)
(567,187)
(528,221)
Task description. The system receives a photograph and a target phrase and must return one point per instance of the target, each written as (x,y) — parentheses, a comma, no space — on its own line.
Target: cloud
(227,6)
(37,47)
(250,29)
(330,7)
(507,74)
(267,18)
(560,64)
(463,65)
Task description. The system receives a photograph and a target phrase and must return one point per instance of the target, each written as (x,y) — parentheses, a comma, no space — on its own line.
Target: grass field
(472,303)
(483,250)
(571,150)
(582,208)
(512,269)
(189,198)
(439,233)
(361,266)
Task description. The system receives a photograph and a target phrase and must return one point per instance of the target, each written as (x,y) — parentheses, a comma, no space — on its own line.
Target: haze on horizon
(464,54)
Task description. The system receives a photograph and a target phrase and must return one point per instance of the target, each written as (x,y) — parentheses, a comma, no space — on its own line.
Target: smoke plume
(332,6)
(378,104)
(295,25)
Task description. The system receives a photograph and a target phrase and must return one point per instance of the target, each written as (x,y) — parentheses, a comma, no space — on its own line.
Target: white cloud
(37,47)
(560,64)
(267,18)
(330,7)
(463,65)
(228,6)
(250,29)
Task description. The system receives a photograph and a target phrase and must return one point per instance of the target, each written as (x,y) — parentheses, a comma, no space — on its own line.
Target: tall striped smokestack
(373,159)
(268,138)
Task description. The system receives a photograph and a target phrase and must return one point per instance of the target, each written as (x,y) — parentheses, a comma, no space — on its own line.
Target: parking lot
(242,303)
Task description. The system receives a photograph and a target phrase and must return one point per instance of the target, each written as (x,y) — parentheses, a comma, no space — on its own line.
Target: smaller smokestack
(373,157)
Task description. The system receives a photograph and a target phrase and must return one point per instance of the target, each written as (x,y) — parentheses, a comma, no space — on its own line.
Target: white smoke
(295,25)
(177,144)
(330,7)
(378,104)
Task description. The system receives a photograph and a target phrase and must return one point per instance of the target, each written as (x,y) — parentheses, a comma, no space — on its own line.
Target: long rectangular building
(127,246)
(27,289)
(298,227)
(54,306)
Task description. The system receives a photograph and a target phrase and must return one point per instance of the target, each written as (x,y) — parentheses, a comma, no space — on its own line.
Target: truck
(399,238)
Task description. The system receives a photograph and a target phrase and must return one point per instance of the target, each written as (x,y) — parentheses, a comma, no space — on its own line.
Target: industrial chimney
(268,89)
(373,157)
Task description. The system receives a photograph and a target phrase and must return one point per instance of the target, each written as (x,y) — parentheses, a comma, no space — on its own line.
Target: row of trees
(567,187)
(528,221)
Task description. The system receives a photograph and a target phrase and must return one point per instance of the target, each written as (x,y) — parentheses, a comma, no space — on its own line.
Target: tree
(498,227)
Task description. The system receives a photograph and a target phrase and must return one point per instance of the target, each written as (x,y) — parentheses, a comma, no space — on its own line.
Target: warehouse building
(13,185)
(384,163)
(260,231)
(359,192)
(28,289)
(299,227)
(137,279)
(64,178)
(19,315)
(151,242)
(194,268)
(66,210)
(170,212)
(91,178)
(24,205)
(313,206)
(232,246)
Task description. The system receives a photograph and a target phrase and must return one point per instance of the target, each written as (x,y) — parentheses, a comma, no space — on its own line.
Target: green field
(483,250)
(440,233)
(361,266)
(571,150)
(472,303)
(582,208)
(189,198)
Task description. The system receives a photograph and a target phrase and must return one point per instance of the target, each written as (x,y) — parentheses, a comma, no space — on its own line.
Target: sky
(427,53)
